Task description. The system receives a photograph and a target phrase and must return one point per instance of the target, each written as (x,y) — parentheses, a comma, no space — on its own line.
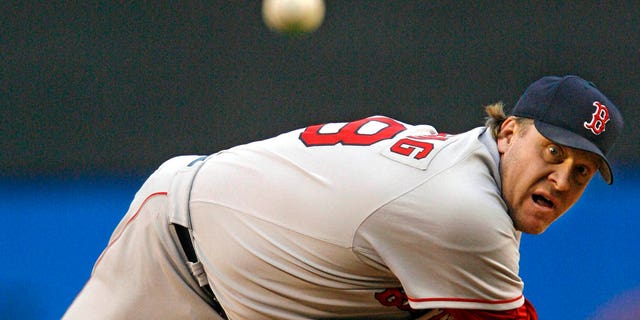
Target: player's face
(541,180)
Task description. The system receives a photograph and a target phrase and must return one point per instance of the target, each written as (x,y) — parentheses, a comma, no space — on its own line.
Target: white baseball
(293,16)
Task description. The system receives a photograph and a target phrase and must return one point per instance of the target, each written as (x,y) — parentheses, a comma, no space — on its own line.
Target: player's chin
(531,224)
(533,229)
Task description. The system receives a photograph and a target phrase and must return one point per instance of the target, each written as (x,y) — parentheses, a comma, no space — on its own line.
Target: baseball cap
(572,112)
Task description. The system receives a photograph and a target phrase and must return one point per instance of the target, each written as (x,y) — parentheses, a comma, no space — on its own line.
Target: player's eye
(583,173)
(554,154)
(582,170)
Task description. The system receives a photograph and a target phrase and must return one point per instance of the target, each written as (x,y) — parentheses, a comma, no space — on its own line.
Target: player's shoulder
(461,177)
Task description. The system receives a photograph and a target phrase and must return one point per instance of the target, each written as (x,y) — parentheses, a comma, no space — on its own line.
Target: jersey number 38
(366,132)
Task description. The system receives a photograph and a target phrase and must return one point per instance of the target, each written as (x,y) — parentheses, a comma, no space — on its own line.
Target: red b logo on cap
(599,118)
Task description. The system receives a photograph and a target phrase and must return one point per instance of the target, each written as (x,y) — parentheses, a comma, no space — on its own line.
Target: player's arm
(525,312)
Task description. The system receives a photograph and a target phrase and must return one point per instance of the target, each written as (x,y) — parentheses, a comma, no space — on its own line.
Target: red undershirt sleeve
(525,312)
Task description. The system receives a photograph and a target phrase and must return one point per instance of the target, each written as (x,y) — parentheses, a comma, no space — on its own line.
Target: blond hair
(496,116)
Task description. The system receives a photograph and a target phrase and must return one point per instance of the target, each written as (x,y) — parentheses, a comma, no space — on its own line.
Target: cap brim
(570,139)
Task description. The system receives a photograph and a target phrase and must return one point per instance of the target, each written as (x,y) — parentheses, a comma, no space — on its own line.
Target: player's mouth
(542,201)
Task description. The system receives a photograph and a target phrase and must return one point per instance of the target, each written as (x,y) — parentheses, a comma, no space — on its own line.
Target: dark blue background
(52,230)
(88,87)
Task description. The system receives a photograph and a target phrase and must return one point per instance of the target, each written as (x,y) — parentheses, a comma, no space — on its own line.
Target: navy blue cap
(572,112)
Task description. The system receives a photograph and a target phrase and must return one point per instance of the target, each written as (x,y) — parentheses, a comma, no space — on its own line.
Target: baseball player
(369,219)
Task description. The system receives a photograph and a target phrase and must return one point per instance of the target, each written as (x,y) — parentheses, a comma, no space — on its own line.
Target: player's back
(282,213)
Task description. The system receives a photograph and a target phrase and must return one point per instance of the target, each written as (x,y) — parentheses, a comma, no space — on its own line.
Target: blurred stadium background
(95,96)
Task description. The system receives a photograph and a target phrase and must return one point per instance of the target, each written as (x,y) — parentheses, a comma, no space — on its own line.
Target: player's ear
(506,133)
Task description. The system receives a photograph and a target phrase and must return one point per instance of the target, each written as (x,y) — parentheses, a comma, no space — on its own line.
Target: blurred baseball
(293,17)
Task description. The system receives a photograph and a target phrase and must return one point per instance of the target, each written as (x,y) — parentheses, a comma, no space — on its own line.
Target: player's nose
(561,177)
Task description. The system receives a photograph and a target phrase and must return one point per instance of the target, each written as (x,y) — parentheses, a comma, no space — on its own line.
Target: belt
(187,247)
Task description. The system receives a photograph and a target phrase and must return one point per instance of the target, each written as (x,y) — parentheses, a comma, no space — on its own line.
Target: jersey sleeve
(449,242)
(525,312)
